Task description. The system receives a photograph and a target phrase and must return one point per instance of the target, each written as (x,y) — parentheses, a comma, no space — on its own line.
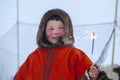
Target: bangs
(55,17)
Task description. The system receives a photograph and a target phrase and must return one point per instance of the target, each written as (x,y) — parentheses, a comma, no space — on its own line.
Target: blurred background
(96,25)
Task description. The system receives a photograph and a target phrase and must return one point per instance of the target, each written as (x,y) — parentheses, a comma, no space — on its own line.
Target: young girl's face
(54,30)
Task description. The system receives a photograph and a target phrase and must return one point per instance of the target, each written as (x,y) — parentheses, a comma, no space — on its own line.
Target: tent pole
(114,38)
(18,42)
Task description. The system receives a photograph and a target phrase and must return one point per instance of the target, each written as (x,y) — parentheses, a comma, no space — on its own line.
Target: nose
(56,32)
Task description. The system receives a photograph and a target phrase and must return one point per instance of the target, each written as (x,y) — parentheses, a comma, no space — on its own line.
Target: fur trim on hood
(66,40)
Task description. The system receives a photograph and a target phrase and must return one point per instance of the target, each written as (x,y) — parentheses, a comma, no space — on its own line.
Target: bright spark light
(93,36)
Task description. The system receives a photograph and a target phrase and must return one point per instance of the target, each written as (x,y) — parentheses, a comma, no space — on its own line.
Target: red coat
(62,63)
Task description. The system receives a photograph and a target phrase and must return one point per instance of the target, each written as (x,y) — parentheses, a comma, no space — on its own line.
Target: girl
(56,58)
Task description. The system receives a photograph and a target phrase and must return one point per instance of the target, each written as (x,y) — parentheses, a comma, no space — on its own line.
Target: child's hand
(93,72)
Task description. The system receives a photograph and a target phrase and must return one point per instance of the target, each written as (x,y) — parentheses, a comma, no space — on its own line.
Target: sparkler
(93,37)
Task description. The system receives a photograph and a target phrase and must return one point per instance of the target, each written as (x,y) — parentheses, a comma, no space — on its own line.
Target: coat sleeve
(22,72)
(82,63)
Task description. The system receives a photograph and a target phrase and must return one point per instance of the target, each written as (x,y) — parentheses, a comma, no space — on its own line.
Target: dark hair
(55,14)
(55,17)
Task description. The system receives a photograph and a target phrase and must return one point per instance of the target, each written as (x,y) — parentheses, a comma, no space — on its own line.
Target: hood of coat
(66,40)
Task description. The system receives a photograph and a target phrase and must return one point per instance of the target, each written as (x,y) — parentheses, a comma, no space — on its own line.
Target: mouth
(57,37)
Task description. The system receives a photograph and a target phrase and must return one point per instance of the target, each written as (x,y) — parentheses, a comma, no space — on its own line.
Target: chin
(53,42)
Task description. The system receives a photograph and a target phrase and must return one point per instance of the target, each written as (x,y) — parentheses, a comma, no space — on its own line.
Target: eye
(61,27)
(51,28)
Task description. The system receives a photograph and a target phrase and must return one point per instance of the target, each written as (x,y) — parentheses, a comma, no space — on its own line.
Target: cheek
(62,31)
(49,33)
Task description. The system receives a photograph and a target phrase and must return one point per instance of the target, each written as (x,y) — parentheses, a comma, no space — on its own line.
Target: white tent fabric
(88,16)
